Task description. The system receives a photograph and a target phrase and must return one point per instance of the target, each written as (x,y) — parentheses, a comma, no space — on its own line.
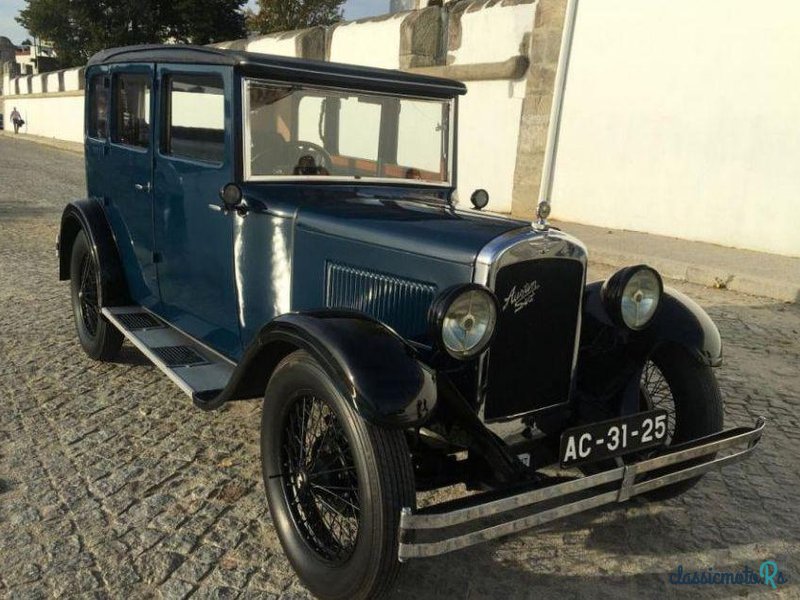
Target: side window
(195,117)
(132,110)
(98,107)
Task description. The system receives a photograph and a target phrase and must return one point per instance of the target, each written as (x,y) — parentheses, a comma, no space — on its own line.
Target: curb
(712,277)
(74,147)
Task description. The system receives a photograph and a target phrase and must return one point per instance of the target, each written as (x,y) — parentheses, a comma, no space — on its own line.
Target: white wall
(489,115)
(59,117)
(280,45)
(682,118)
(52,81)
(369,43)
(72,79)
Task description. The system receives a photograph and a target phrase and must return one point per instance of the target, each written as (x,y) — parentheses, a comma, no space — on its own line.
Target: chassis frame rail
(441,528)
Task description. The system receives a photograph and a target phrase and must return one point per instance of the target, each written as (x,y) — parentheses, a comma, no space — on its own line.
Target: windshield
(293,131)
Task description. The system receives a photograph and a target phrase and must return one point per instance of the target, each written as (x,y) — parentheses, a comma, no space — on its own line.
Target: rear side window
(132,110)
(195,117)
(98,107)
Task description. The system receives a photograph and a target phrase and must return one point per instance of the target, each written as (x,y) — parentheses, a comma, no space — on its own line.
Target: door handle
(142,187)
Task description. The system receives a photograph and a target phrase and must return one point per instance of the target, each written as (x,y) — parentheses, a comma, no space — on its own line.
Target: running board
(199,371)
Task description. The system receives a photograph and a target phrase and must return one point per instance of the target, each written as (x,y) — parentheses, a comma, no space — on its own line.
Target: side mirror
(231,196)
(479,199)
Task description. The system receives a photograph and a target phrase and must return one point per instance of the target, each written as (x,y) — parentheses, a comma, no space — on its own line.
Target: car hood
(391,219)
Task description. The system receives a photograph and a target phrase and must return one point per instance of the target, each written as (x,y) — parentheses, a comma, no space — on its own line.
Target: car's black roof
(285,68)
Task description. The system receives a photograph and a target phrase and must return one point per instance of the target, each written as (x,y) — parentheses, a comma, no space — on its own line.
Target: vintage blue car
(288,230)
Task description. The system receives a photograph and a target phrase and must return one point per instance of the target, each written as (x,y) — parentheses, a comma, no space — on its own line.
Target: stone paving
(113,485)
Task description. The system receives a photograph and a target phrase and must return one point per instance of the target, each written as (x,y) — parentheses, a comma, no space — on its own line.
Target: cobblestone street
(113,485)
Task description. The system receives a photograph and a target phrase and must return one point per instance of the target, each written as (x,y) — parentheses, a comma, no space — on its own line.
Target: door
(127,164)
(194,238)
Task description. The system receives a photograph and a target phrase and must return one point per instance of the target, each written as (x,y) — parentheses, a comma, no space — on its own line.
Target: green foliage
(285,15)
(79,28)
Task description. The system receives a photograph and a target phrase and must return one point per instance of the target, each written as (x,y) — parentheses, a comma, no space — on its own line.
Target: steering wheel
(299,149)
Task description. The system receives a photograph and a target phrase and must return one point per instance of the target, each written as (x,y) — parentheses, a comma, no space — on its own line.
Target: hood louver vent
(400,303)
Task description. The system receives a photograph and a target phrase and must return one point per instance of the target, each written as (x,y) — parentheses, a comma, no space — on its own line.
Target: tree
(79,28)
(285,15)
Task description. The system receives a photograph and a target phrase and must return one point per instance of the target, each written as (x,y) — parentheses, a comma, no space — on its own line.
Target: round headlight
(463,319)
(632,296)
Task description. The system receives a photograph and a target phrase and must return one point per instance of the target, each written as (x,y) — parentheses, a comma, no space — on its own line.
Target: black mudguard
(679,320)
(373,366)
(87,214)
(611,358)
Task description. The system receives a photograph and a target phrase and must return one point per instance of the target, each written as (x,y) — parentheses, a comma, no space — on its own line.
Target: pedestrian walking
(16,118)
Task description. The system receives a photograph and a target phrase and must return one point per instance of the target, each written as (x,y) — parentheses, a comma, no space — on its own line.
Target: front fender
(679,320)
(682,321)
(373,367)
(611,358)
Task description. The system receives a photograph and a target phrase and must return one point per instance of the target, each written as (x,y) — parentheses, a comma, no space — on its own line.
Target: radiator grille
(400,303)
(530,359)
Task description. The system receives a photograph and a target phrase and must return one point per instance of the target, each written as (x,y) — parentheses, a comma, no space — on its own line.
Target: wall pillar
(535,119)
(421,38)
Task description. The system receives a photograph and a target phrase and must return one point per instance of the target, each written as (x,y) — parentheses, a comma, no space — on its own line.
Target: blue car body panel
(114,170)
(193,238)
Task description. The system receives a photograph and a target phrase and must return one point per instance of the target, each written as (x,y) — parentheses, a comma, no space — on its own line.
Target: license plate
(607,439)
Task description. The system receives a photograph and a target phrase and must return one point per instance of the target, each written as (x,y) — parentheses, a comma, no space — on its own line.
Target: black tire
(688,390)
(98,338)
(367,467)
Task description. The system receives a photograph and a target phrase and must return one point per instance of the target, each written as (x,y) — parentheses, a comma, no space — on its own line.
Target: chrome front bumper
(461,523)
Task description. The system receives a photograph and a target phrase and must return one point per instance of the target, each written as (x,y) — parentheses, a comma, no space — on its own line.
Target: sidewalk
(52,142)
(755,273)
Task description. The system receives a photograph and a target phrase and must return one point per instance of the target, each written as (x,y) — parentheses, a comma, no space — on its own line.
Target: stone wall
(545,44)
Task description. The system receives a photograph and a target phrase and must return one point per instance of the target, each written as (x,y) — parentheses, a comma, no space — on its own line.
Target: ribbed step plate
(195,368)
(139,320)
(179,356)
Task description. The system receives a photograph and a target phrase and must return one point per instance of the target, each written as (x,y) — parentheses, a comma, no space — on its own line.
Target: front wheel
(98,338)
(675,381)
(335,483)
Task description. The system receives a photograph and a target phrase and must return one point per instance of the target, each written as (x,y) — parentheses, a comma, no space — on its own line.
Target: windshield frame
(349,179)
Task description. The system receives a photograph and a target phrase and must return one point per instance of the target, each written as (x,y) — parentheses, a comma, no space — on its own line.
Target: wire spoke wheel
(87,295)
(319,478)
(656,394)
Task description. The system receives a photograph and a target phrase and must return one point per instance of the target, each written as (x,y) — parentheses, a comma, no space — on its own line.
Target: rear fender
(87,215)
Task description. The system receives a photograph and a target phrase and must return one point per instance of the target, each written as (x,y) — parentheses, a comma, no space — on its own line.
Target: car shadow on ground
(529,571)
(442,580)
(132,356)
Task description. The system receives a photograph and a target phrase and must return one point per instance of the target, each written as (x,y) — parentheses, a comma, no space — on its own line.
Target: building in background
(36,57)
